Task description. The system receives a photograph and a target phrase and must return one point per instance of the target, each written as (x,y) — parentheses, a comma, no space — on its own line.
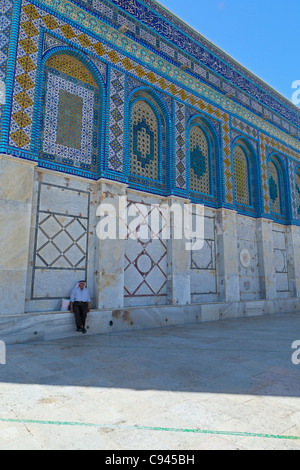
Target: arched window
(275,188)
(242,176)
(71,113)
(145,152)
(200,178)
(297,184)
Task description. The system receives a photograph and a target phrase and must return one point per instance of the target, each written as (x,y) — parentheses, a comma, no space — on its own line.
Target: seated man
(80,305)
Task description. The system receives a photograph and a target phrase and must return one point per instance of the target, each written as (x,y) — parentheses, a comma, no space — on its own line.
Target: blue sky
(262,35)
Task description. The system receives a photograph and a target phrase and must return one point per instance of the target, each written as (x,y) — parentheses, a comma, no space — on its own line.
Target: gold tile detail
(183,95)
(127,64)
(23,100)
(50,22)
(140,71)
(20,138)
(84,40)
(225,117)
(25,81)
(22,119)
(227,162)
(151,77)
(228,173)
(218,114)
(201,105)
(31,12)
(173,89)
(113,57)
(26,63)
(71,66)
(226,140)
(29,29)
(227,151)
(162,84)
(67,31)
(209,109)
(226,129)
(99,49)
(228,185)
(229,198)
(28,46)
(193,100)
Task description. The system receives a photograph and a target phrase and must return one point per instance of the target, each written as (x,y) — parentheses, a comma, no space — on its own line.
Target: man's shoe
(79,330)
(84,331)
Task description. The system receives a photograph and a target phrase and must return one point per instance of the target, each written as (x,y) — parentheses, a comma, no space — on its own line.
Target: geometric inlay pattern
(144,159)
(116,121)
(145,272)
(297,180)
(69,125)
(61,242)
(275,189)
(180,145)
(6,8)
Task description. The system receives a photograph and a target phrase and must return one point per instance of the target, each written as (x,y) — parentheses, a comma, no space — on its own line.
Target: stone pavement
(221,385)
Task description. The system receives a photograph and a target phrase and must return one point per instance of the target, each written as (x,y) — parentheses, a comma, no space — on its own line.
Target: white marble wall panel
(59,240)
(16,180)
(281,262)
(64,200)
(203,270)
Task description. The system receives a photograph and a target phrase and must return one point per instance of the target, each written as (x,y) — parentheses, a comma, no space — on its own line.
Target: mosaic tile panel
(268,144)
(297,187)
(180,146)
(145,149)
(116,121)
(25,78)
(72,67)
(216,62)
(29,22)
(38,18)
(199,161)
(264,173)
(6,7)
(244,128)
(241,176)
(33,18)
(69,125)
(292,165)
(192,43)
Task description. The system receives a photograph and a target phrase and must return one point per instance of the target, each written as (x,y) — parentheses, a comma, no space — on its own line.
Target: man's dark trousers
(80,312)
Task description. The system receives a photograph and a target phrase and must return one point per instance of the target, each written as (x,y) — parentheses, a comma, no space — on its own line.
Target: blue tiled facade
(128,59)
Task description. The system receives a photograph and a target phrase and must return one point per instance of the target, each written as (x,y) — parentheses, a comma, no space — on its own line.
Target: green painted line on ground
(149,428)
